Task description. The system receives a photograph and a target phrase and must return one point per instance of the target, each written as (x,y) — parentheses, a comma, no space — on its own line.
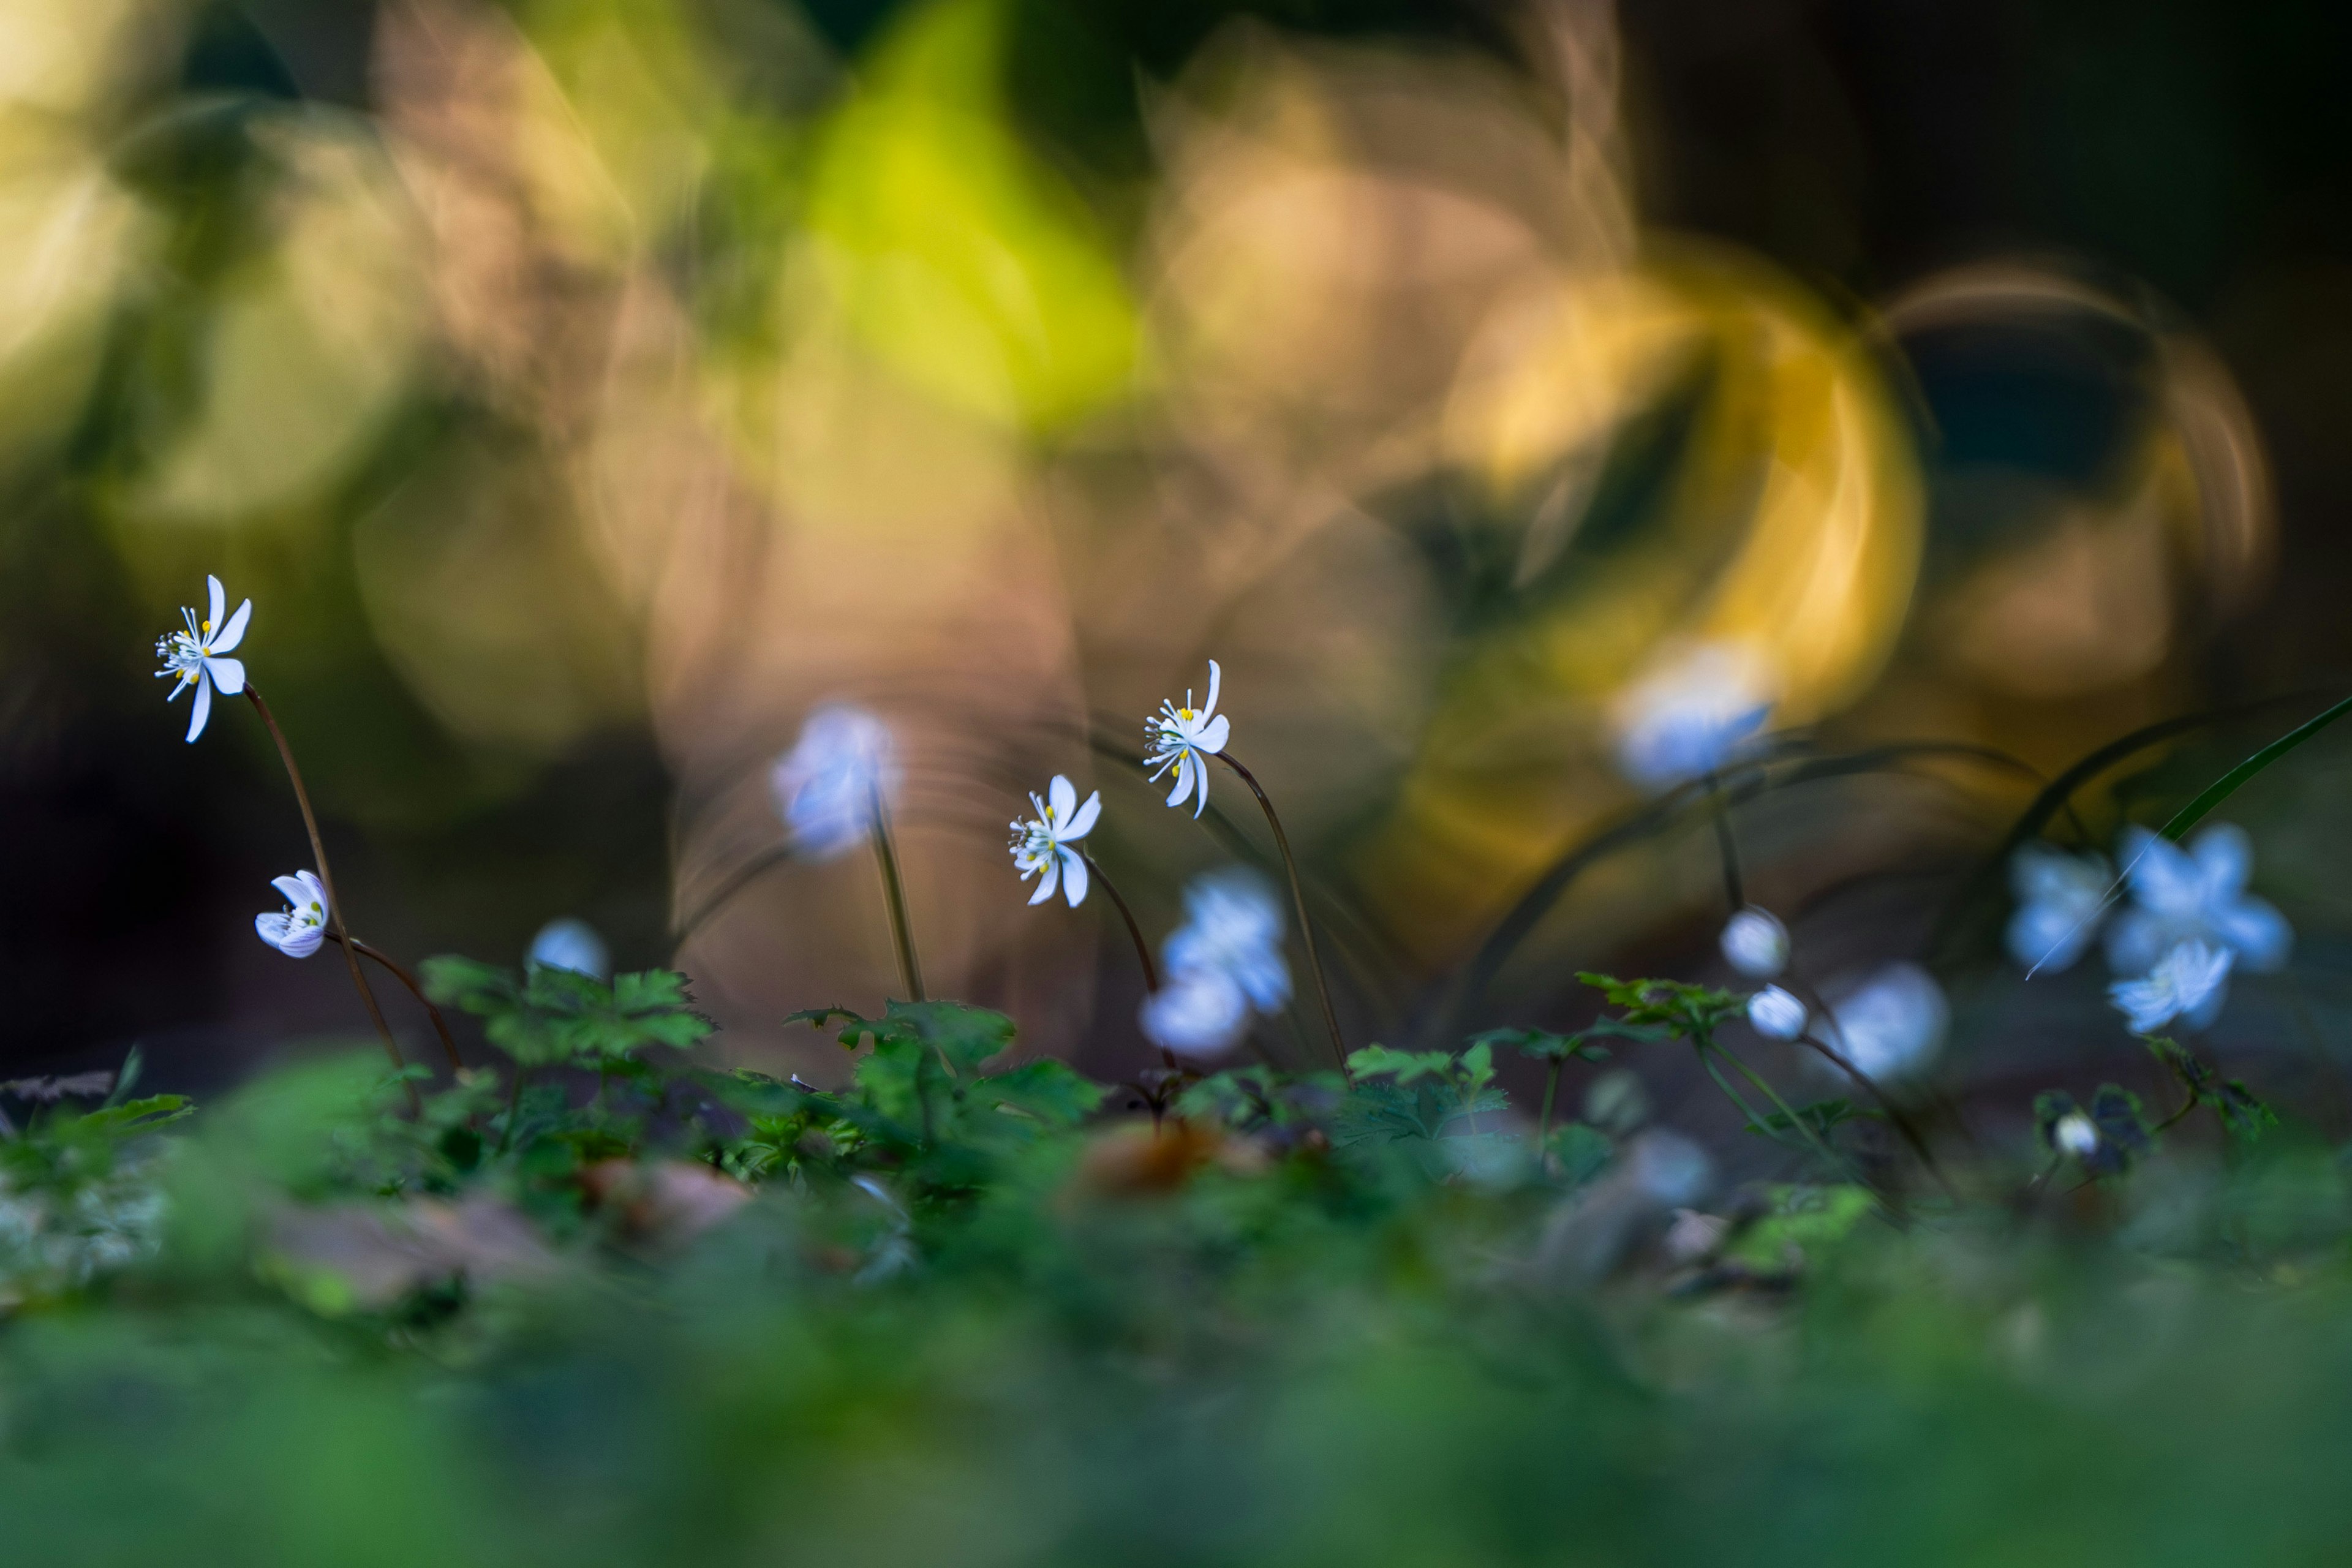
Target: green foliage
(77,1197)
(1822,1117)
(2241,1113)
(1415,1094)
(1673,1008)
(1544,1045)
(551,1017)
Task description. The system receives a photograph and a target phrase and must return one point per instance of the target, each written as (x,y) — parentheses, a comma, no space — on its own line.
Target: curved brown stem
(738,879)
(1298,901)
(327,880)
(440,1025)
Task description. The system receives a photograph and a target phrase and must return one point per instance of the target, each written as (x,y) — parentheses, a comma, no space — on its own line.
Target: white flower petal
(219,601)
(2258,933)
(1215,735)
(310,882)
(1756,943)
(1776,1014)
(292,888)
(234,633)
(1216,680)
(1074,877)
(271,928)
(1047,881)
(1200,1015)
(1183,779)
(2163,877)
(228,674)
(302,941)
(2224,857)
(202,709)
(1062,796)
(1084,822)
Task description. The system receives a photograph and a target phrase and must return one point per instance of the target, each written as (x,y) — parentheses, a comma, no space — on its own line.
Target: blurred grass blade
(2221,789)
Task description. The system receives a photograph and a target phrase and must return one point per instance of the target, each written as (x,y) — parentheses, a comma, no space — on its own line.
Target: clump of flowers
(2189,983)
(1222,964)
(2196,894)
(2059,900)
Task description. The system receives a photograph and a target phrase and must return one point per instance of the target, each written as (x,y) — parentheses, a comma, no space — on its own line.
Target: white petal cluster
(571,945)
(2197,894)
(298,929)
(2075,1134)
(1042,846)
(193,657)
(828,786)
(1185,739)
(2189,983)
(1224,962)
(1776,1014)
(2059,904)
(1891,1024)
(1690,715)
(1756,943)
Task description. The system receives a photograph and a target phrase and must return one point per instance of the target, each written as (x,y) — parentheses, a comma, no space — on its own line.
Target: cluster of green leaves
(1676,1009)
(2241,1113)
(548,1016)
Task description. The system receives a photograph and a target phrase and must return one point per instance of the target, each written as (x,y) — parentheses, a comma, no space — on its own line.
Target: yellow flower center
(1186,714)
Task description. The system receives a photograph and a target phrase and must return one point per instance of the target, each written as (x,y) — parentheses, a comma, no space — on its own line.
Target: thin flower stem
(335,899)
(1543,1122)
(1799,1123)
(1299,899)
(894,893)
(1135,932)
(1894,1114)
(1142,955)
(440,1025)
(738,879)
(514,1110)
(1734,892)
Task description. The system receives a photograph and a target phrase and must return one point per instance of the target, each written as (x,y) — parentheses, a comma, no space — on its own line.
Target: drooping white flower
(1690,715)
(1042,844)
(828,786)
(1756,943)
(1891,1025)
(1200,1013)
(571,945)
(1185,739)
(2197,894)
(1233,926)
(2189,983)
(1777,1014)
(192,659)
(2075,1134)
(2060,899)
(298,929)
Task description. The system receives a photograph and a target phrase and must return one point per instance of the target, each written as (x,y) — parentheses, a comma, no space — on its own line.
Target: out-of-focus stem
(1734,892)
(334,898)
(894,893)
(440,1025)
(1298,901)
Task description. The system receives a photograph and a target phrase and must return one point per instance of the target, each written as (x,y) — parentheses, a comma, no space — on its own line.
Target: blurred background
(584,390)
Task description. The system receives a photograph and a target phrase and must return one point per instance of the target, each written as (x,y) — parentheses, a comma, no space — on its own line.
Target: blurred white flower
(1201,1012)
(1185,739)
(2075,1134)
(1233,926)
(1042,844)
(1690,715)
(191,659)
(1776,1014)
(1891,1025)
(827,785)
(2189,983)
(570,944)
(1669,1169)
(1756,943)
(2059,899)
(2198,894)
(298,929)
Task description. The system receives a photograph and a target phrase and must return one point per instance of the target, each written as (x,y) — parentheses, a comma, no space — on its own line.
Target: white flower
(1776,1014)
(1689,715)
(2060,899)
(298,930)
(570,944)
(1756,943)
(1200,1013)
(1233,926)
(2189,983)
(1891,1025)
(2198,894)
(193,658)
(1185,739)
(827,786)
(2075,1134)
(1042,844)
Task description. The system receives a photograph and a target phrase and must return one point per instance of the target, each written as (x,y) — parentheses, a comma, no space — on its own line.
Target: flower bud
(1756,943)
(1776,1014)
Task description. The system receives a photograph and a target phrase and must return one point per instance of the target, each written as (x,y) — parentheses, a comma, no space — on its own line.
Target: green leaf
(1404,1067)
(2221,789)
(1052,1092)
